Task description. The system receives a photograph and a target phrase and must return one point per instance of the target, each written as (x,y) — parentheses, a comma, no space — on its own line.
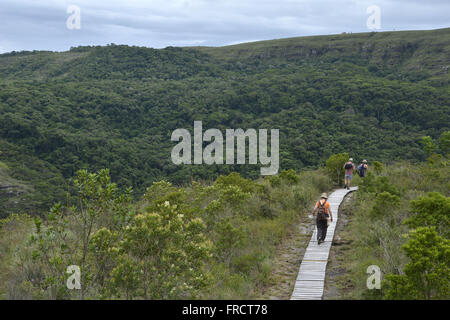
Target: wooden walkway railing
(311,276)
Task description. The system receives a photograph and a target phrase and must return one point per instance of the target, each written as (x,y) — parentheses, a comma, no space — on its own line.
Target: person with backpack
(362,168)
(323,210)
(349,167)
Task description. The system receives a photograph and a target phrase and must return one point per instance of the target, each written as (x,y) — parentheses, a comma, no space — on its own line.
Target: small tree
(65,238)
(377,167)
(427,274)
(235,179)
(385,204)
(166,251)
(432,210)
(99,205)
(444,143)
(335,166)
(428,145)
(290,176)
(229,240)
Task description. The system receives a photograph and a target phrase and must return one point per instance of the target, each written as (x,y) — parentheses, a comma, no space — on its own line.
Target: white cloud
(28,24)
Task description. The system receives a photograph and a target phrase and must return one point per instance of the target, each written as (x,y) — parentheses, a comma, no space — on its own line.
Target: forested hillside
(373,95)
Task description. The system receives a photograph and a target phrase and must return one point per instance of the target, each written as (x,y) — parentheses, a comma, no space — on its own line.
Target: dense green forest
(147,229)
(373,95)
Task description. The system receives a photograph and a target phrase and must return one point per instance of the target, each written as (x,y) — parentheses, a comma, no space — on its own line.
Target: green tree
(99,205)
(235,179)
(229,240)
(335,166)
(52,253)
(432,210)
(444,143)
(385,204)
(427,274)
(428,145)
(290,176)
(167,251)
(377,167)
(104,252)
(65,238)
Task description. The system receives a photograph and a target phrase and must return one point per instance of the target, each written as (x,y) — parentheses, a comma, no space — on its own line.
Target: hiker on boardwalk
(349,167)
(323,210)
(362,168)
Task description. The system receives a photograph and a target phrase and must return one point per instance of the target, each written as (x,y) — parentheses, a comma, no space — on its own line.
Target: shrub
(229,240)
(290,176)
(444,143)
(428,145)
(335,166)
(385,203)
(431,210)
(377,167)
(427,274)
(167,251)
(235,179)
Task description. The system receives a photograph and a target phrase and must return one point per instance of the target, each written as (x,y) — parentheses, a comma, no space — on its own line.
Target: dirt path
(287,262)
(337,283)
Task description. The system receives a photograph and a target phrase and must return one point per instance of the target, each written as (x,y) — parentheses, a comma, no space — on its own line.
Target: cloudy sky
(43,24)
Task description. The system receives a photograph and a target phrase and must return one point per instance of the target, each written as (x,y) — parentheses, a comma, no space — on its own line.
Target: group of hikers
(323,207)
(349,168)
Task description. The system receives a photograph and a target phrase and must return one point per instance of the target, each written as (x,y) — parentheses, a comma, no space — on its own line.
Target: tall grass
(379,209)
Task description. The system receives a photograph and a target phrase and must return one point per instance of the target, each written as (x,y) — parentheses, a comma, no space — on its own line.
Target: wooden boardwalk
(311,276)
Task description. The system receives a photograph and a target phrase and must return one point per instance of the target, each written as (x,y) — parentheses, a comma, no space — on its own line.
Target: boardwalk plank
(310,280)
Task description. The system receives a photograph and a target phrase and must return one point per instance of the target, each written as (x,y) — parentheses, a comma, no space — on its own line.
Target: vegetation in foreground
(400,222)
(219,240)
(202,241)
